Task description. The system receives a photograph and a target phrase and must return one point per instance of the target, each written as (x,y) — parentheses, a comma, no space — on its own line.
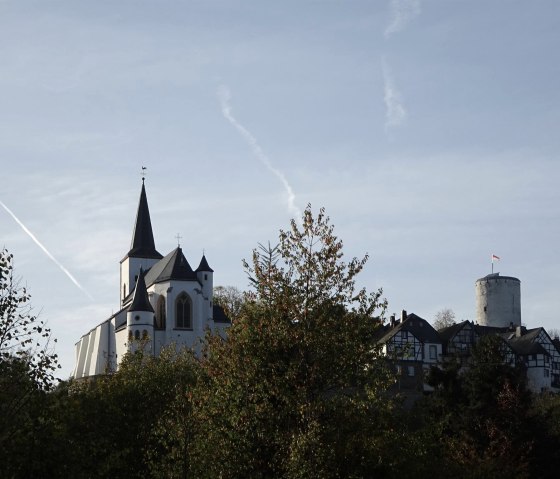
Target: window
(433,351)
(183,319)
(144,334)
(160,313)
(137,334)
(546,373)
(411,371)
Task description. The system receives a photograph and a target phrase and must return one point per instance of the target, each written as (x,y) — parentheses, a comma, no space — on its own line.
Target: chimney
(403,315)
(392,321)
(511,328)
(518,332)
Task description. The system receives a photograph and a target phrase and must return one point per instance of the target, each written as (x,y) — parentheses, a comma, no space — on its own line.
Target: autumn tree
(297,389)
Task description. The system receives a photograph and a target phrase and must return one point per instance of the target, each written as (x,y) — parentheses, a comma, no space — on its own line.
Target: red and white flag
(495,258)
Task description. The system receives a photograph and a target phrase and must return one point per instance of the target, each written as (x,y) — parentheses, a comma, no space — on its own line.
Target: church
(163,301)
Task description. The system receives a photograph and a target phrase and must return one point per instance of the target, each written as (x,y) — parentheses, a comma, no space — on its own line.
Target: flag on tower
(495,258)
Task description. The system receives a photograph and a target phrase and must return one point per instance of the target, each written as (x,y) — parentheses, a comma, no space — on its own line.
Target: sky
(428,129)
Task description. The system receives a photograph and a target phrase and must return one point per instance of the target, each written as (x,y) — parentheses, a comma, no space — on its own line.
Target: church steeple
(143,253)
(143,245)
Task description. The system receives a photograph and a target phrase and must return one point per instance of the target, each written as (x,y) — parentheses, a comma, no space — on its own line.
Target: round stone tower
(498,301)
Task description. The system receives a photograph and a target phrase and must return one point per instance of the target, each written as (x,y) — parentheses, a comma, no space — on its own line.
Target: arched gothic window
(136,334)
(160,313)
(183,317)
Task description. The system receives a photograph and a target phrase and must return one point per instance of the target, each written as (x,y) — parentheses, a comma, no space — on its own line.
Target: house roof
(526,343)
(414,324)
(447,333)
(173,267)
(143,245)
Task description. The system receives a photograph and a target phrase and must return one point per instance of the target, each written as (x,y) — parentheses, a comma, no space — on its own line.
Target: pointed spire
(143,245)
(204,266)
(140,301)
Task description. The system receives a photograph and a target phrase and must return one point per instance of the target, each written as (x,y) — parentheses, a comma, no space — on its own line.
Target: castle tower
(143,253)
(498,301)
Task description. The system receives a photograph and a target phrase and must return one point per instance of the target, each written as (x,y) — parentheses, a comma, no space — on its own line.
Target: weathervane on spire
(178,240)
(143,174)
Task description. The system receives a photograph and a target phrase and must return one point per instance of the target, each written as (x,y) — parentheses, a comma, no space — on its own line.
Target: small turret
(140,315)
(205,275)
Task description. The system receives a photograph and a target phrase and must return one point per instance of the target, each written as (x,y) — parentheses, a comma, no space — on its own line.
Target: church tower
(143,253)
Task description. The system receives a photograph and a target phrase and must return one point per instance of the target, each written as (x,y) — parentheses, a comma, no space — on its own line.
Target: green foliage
(482,412)
(297,390)
(27,366)
(23,336)
(126,424)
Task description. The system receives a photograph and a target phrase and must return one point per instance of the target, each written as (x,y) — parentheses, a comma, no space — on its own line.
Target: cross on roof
(143,173)
(178,239)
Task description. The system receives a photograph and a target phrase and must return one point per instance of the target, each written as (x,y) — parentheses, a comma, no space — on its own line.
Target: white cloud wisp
(224,96)
(402,13)
(38,243)
(395,112)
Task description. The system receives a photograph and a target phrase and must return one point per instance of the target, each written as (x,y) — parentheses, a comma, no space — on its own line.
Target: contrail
(402,11)
(40,245)
(395,113)
(224,96)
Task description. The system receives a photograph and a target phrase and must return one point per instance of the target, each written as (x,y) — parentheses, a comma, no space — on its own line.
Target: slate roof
(143,245)
(203,266)
(527,343)
(414,324)
(173,266)
(140,301)
(447,334)
(220,315)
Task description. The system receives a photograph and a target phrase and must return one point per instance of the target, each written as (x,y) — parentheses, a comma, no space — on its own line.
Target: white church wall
(81,356)
(121,344)
(90,349)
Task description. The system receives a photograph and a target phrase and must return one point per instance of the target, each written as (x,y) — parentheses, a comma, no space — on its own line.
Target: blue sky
(427,129)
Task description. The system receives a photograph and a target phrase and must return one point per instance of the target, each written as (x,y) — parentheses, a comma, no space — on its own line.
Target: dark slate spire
(140,301)
(204,266)
(143,245)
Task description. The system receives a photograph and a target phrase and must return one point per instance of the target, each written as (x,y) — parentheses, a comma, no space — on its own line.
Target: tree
(27,366)
(483,413)
(231,299)
(444,319)
(131,423)
(298,388)
(23,336)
